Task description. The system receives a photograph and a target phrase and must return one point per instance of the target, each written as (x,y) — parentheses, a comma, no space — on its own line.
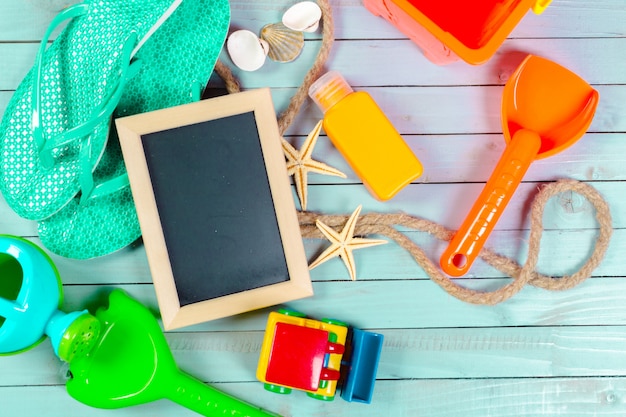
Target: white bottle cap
(329,89)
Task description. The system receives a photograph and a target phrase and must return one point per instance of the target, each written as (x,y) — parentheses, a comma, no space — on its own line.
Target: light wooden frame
(132,128)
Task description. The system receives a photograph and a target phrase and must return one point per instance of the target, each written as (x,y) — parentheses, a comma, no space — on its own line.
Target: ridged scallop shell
(304,16)
(285,44)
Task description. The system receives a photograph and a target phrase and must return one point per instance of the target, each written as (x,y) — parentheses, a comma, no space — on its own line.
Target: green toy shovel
(131,364)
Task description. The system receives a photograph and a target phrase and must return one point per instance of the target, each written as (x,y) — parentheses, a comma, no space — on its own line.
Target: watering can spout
(72,334)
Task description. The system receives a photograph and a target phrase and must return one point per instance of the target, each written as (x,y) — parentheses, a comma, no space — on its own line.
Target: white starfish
(299,163)
(342,244)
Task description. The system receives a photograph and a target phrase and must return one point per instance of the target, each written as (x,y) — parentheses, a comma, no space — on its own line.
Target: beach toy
(545,109)
(30,298)
(318,357)
(447,31)
(132,364)
(116,359)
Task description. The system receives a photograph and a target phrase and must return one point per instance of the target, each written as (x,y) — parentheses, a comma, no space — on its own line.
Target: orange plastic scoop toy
(545,109)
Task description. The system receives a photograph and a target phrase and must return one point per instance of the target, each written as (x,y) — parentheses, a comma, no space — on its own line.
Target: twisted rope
(384,224)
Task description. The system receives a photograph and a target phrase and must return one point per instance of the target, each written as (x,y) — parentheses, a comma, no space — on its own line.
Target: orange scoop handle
(464,247)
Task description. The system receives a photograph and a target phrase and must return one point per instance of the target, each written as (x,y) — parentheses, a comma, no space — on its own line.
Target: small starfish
(342,244)
(299,163)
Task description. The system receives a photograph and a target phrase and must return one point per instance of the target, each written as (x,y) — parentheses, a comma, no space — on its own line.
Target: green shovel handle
(208,401)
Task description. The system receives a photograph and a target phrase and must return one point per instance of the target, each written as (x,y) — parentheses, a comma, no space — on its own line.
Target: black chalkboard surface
(215,207)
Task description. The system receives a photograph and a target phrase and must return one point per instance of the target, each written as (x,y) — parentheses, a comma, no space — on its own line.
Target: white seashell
(285,44)
(246,50)
(304,16)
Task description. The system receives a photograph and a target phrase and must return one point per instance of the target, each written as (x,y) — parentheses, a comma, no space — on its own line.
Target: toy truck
(318,356)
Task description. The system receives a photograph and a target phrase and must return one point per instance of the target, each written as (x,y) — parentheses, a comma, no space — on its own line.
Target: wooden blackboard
(215,207)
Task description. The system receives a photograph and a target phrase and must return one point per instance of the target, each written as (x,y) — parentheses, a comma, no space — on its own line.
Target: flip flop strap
(102,112)
(106,108)
(119,183)
(128,71)
(69,13)
(108,187)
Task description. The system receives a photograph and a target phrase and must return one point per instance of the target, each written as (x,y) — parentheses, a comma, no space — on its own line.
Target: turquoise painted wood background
(539,354)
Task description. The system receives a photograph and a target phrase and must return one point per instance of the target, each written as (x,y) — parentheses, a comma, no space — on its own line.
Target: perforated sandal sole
(178,59)
(75,82)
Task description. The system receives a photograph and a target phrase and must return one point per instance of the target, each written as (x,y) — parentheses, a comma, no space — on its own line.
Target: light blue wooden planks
(411,69)
(408,354)
(398,304)
(546,397)
(444,110)
(539,354)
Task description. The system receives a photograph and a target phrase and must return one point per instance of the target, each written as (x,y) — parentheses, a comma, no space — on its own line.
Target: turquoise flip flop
(101,225)
(176,64)
(55,127)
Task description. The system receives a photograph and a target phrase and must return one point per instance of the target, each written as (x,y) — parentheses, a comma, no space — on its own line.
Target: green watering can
(116,359)
(30,299)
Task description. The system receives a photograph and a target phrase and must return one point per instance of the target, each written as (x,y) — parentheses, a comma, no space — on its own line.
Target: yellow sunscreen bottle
(365,137)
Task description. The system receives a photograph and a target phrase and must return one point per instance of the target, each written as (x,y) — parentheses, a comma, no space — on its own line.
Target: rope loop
(385,224)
